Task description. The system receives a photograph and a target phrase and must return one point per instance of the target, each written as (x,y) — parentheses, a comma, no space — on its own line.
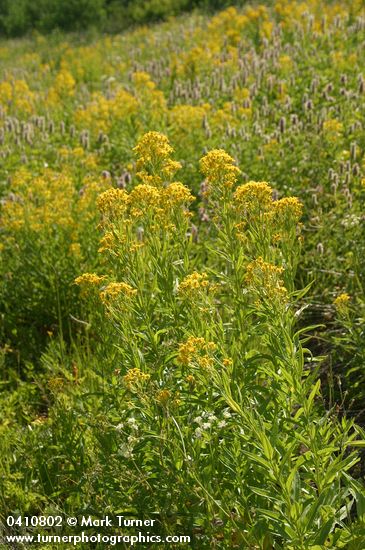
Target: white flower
(127,453)
(198,433)
(133,423)
(222,424)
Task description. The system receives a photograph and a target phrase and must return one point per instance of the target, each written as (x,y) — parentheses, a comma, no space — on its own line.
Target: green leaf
(257,459)
(313,393)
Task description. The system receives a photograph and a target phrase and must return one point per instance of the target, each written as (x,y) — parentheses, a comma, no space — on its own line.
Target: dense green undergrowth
(26,16)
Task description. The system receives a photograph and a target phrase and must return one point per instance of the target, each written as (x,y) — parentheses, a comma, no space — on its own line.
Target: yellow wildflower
(205,361)
(219,168)
(107,242)
(189,348)
(154,161)
(87,281)
(253,195)
(265,279)
(332,126)
(145,196)
(153,145)
(192,347)
(135,377)
(177,193)
(163,396)
(332,129)
(341,302)
(194,282)
(288,207)
(114,290)
(113,203)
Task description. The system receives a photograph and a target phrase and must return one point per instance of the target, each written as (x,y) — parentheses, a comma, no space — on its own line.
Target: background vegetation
(18,18)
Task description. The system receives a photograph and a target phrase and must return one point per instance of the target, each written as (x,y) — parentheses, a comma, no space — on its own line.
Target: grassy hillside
(182,276)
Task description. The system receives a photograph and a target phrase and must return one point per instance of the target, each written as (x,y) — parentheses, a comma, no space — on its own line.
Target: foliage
(182,302)
(24,16)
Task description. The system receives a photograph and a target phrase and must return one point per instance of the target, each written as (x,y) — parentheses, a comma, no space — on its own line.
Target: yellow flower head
(145,196)
(107,242)
(114,291)
(332,127)
(192,348)
(265,279)
(219,168)
(176,193)
(253,195)
(341,302)
(134,377)
(193,283)
(288,208)
(163,396)
(88,281)
(153,145)
(113,203)
(153,151)
(205,361)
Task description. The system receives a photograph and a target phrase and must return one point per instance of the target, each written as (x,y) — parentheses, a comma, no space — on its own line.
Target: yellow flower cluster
(192,283)
(332,130)
(253,195)
(101,113)
(254,204)
(163,396)
(341,303)
(265,279)
(15,95)
(134,377)
(176,194)
(332,127)
(89,279)
(144,197)
(41,203)
(219,168)
(113,291)
(153,145)
(63,87)
(145,208)
(113,203)
(288,208)
(88,282)
(153,158)
(228,24)
(107,242)
(150,206)
(193,347)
